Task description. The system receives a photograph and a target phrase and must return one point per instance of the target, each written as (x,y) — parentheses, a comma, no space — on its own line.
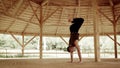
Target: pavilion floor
(58,63)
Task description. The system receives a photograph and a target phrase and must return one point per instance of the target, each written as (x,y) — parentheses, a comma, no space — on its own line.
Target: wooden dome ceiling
(23,16)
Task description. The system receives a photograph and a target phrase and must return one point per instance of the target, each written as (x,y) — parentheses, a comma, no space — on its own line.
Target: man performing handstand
(74,36)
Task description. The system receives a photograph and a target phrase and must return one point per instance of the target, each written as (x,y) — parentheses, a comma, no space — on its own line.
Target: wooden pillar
(40,25)
(115,40)
(96,31)
(41,33)
(114,22)
(22,44)
(115,32)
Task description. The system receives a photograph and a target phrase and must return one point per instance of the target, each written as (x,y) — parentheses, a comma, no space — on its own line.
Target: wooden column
(115,40)
(41,33)
(22,44)
(114,22)
(41,27)
(96,31)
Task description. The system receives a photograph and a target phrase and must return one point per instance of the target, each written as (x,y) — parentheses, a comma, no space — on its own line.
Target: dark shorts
(73,37)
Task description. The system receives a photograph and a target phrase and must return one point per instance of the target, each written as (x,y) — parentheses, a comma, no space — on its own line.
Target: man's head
(70,49)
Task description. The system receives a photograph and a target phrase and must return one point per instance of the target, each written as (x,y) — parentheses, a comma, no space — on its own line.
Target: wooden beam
(64,40)
(41,33)
(45,9)
(33,14)
(114,27)
(77,9)
(112,39)
(30,40)
(25,27)
(3,5)
(33,10)
(50,15)
(111,3)
(15,39)
(78,3)
(81,37)
(23,45)
(44,2)
(59,20)
(96,31)
(117,18)
(17,7)
(105,16)
(115,39)
(22,10)
(10,25)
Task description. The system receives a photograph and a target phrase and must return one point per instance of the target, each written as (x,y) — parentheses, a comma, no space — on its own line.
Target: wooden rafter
(15,39)
(78,3)
(74,12)
(17,7)
(3,5)
(105,16)
(59,20)
(78,8)
(112,39)
(44,2)
(117,18)
(33,10)
(81,37)
(30,40)
(64,40)
(113,11)
(34,13)
(10,26)
(25,27)
(111,3)
(45,10)
(51,14)
(23,8)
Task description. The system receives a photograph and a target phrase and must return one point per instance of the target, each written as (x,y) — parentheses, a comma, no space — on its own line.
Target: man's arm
(71,55)
(78,50)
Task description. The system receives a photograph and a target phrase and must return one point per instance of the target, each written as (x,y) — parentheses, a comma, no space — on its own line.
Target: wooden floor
(58,63)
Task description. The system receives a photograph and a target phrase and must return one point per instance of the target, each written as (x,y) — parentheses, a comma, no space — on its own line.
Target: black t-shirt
(74,28)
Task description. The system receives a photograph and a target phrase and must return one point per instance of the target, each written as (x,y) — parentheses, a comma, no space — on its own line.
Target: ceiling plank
(10,26)
(19,19)
(3,5)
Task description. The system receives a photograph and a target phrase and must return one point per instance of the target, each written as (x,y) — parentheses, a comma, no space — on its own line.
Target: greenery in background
(55,43)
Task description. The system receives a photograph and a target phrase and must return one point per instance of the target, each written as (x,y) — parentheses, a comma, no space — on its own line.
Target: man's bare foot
(70,62)
(80,62)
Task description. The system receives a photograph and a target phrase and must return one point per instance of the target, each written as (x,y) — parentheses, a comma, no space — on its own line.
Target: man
(74,36)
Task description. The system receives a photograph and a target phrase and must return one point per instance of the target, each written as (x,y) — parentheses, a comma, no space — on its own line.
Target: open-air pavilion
(51,18)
